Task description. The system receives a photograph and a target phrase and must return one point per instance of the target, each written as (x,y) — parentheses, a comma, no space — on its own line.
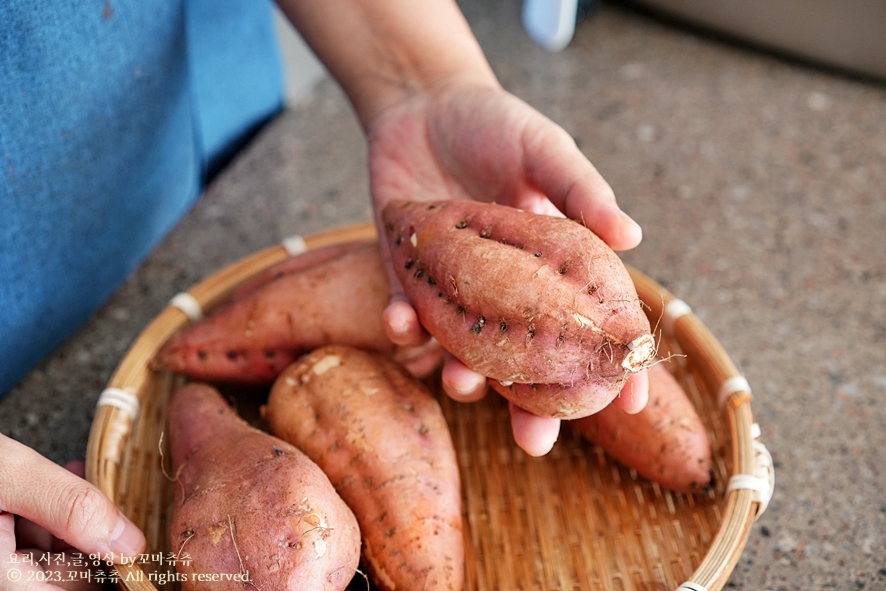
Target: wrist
(417,89)
(383,52)
(417,67)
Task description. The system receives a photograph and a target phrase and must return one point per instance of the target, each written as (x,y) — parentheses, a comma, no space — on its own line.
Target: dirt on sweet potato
(382,439)
(252,511)
(533,302)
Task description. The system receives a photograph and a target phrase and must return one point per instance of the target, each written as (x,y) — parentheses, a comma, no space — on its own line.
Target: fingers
(421,360)
(18,575)
(30,535)
(634,394)
(402,325)
(15,573)
(7,535)
(556,166)
(535,435)
(462,384)
(34,542)
(400,320)
(67,506)
(30,570)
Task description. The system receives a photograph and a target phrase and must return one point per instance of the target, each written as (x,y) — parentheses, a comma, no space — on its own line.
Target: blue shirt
(113,113)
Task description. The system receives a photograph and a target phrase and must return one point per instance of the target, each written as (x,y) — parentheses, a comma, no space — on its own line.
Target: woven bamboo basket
(571,520)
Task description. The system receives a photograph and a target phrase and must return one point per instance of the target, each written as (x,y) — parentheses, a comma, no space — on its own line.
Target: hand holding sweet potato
(539,304)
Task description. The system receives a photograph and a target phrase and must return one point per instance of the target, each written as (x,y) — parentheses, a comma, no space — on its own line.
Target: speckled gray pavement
(761,187)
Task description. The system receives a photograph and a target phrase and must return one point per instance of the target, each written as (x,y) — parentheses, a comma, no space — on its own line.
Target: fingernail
(631,223)
(126,539)
(470,389)
(400,328)
(463,391)
(451,388)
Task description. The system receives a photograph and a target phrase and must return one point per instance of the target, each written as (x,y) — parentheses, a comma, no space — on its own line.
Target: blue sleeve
(110,115)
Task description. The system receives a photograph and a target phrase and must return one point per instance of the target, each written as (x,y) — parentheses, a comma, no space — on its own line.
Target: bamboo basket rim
(751,482)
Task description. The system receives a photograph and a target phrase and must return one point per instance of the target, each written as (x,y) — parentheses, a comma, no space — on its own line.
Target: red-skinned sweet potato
(334,294)
(301,262)
(537,303)
(666,442)
(382,439)
(250,508)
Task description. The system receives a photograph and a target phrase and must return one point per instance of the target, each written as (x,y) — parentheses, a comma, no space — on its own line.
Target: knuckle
(85,510)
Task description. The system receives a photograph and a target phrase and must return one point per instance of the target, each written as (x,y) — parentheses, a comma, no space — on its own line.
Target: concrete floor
(761,187)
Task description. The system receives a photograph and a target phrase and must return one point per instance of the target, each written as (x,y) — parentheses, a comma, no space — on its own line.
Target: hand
(47,508)
(473,140)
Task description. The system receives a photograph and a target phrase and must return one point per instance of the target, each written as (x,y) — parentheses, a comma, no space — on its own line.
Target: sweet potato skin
(666,442)
(521,298)
(581,398)
(382,439)
(295,264)
(247,503)
(335,294)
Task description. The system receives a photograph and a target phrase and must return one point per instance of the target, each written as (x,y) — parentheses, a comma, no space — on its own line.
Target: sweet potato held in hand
(330,295)
(537,303)
(382,439)
(666,442)
(251,508)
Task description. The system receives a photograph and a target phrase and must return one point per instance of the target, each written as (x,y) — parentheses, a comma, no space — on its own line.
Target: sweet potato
(301,262)
(251,509)
(335,294)
(666,442)
(521,298)
(382,439)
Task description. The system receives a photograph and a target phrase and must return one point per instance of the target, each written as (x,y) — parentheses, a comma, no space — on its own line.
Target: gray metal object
(847,34)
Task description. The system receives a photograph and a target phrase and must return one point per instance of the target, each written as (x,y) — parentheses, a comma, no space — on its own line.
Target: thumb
(556,166)
(402,325)
(64,504)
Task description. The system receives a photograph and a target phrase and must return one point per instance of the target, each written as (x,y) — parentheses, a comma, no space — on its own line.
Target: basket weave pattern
(571,520)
